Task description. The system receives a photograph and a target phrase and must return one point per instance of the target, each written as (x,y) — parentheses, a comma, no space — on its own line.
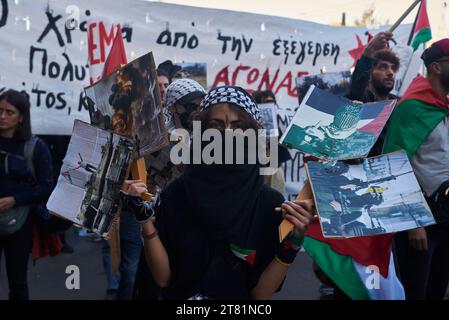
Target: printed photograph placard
(268,117)
(375,196)
(192,70)
(88,187)
(128,103)
(330,127)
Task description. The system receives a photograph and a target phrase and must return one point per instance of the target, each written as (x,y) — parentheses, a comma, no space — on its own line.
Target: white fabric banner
(44,49)
(45,52)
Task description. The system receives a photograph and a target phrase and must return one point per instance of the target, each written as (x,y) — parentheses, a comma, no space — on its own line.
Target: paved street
(47,277)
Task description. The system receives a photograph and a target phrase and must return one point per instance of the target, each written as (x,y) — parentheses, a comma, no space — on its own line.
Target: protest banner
(46,49)
(46,53)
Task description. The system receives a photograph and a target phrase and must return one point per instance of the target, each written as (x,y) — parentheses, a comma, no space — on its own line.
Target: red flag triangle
(423,19)
(117,55)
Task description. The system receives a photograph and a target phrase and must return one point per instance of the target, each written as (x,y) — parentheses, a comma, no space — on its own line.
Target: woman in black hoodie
(216,230)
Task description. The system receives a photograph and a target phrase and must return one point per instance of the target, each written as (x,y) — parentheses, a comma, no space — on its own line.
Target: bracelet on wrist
(295,241)
(288,249)
(285,264)
(150,235)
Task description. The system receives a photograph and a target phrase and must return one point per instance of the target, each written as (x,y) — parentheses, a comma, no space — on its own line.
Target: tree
(369,19)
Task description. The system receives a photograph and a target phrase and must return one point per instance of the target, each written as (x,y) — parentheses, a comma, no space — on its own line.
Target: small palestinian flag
(422,32)
(245,254)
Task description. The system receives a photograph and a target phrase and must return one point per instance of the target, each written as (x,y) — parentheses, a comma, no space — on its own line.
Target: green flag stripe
(421,36)
(420,118)
(240,250)
(338,267)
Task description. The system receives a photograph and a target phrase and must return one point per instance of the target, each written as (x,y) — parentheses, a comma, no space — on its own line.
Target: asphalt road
(47,278)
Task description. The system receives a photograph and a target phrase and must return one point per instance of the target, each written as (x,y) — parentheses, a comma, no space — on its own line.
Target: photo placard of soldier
(88,187)
(375,196)
(128,103)
(330,127)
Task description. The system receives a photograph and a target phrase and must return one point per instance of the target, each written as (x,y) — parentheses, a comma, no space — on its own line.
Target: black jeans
(424,275)
(17,248)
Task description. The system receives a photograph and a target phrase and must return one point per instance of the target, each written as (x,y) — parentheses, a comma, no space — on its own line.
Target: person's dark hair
(258,96)
(167,69)
(269,96)
(264,96)
(161,72)
(204,116)
(21,101)
(387,55)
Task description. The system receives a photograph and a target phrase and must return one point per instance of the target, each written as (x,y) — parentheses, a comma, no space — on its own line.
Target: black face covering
(224,197)
(184,118)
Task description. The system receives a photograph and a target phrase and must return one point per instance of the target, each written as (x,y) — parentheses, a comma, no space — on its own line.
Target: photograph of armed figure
(374,196)
(93,171)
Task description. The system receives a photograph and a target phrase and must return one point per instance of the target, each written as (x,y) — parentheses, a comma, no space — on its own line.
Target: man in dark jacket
(374,77)
(375,71)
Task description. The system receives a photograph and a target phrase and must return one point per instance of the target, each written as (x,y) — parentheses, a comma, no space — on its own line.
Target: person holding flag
(374,77)
(420,126)
(372,80)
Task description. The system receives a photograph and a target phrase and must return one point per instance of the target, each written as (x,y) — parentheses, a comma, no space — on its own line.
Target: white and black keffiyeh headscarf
(176,91)
(236,96)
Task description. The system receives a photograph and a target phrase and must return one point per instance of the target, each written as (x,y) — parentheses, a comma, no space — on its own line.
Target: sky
(330,11)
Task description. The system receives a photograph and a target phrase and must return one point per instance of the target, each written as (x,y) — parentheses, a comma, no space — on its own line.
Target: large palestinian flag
(362,267)
(418,113)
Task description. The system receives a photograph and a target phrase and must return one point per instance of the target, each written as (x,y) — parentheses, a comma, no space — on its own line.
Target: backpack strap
(28,152)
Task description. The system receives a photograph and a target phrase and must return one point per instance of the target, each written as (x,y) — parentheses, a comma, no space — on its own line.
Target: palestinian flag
(419,111)
(245,254)
(421,32)
(362,267)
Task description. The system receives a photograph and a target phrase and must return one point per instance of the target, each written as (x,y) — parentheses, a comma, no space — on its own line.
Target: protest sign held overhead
(127,102)
(378,195)
(331,127)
